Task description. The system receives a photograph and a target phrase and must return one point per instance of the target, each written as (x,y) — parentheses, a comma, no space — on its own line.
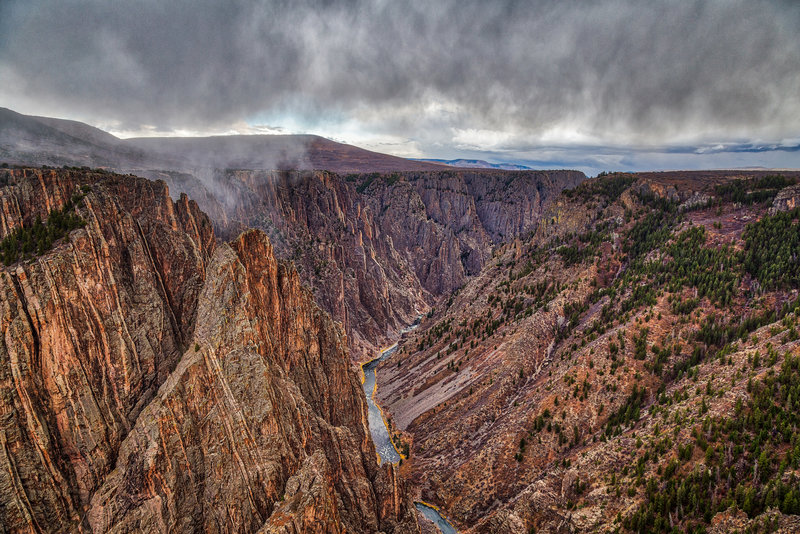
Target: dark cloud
(443,73)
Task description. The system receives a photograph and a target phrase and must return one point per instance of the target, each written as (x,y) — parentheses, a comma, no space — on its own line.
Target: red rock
(152,380)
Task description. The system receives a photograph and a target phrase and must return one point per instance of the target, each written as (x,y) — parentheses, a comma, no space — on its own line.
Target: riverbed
(380,431)
(377,423)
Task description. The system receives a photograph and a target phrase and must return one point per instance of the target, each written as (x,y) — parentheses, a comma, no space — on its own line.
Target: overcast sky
(608,85)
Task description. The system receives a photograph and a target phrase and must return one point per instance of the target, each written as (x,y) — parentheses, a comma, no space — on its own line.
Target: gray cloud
(448,73)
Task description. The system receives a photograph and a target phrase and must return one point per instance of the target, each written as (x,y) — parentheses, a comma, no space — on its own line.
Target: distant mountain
(478,164)
(26,139)
(298,152)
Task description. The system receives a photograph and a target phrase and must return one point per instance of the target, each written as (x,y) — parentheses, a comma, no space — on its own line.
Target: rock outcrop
(787,199)
(153,380)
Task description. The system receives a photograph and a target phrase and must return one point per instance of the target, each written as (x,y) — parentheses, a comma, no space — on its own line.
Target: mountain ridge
(26,139)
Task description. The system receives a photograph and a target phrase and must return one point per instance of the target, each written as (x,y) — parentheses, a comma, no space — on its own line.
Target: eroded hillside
(631,364)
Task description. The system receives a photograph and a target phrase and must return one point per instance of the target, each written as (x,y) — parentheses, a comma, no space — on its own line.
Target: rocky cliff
(378,249)
(153,380)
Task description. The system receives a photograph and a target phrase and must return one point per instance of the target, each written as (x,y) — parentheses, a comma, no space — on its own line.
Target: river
(433,515)
(377,424)
(380,431)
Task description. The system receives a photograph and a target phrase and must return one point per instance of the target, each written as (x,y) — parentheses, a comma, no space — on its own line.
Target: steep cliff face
(260,426)
(89,331)
(446,223)
(378,249)
(153,380)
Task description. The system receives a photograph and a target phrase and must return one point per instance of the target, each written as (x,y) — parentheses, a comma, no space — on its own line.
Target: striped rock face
(152,379)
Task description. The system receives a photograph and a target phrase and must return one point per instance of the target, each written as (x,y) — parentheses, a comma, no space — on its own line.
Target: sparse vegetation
(646,304)
(749,462)
(752,190)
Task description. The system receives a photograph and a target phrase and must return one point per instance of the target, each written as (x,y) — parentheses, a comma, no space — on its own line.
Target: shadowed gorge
(581,343)
(581,346)
(378,249)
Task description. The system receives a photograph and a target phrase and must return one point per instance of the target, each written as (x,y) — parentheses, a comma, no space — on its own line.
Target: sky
(602,85)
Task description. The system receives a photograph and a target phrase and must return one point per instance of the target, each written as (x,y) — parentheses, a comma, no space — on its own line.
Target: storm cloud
(441,78)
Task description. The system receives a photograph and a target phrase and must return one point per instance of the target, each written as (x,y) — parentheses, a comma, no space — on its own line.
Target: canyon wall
(378,249)
(575,383)
(155,380)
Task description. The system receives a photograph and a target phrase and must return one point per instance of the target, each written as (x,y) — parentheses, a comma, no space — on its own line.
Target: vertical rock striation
(152,380)
(89,332)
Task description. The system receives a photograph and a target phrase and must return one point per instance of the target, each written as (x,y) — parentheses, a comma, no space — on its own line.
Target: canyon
(377,249)
(609,354)
(584,380)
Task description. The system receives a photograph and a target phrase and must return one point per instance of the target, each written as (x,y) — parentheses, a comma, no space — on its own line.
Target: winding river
(380,431)
(377,424)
